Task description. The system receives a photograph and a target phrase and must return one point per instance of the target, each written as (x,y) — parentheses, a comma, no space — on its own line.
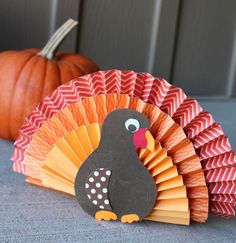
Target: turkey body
(131,189)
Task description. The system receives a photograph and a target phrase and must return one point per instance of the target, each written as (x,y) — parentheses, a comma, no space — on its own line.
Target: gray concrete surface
(32,214)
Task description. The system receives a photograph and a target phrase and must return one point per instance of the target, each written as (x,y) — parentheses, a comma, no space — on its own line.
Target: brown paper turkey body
(110,183)
(189,172)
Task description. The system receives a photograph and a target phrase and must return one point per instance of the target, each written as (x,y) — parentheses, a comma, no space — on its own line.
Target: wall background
(190,43)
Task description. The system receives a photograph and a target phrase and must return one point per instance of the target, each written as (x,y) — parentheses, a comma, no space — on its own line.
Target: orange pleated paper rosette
(192,164)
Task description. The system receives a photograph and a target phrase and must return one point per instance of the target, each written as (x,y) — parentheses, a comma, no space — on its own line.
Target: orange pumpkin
(27,76)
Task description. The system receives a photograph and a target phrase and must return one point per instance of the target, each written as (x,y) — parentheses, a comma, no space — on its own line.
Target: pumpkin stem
(56,39)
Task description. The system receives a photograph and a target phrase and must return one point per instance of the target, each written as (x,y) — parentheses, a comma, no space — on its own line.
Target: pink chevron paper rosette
(211,144)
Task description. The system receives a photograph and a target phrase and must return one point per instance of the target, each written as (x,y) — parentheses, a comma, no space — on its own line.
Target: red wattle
(140,140)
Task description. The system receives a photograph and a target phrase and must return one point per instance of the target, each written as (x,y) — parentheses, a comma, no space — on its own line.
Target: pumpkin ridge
(65,67)
(24,103)
(77,65)
(43,79)
(23,66)
(48,79)
(59,73)
(9,127)
(73,66)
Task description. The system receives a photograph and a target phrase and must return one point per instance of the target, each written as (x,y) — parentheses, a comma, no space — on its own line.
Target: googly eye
(132,125)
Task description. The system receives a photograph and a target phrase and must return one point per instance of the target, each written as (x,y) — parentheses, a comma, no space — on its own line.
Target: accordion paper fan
(191,163)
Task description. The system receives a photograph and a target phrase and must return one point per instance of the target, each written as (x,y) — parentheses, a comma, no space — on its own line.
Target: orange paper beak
(150,141)
(144,139)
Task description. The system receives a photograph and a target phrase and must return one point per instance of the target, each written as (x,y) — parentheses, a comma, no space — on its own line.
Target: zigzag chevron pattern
(113,82)
(173,99)
(22,141)
(207,136)
(221,174)
(224,198)
(158,92)
(37,118)
(186,112)
(19,167)
(128,81)
(69,92)
(226,159)
(27,130)
(18,156)
(226,208)
(148,82)
(201,122)
(215,147)
(226,187)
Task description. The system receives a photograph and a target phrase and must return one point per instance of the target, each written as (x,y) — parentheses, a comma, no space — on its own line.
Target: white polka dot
(91,179)
(86,185)
(108,172)
(96,173)
(95,202)
(93,191)
(106,201)
(98,185)
(89,196)
(99,196)
(102,207)
(103,178)
(104,190)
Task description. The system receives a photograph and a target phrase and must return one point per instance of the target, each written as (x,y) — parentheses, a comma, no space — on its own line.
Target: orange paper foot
(105,215)
(129,218)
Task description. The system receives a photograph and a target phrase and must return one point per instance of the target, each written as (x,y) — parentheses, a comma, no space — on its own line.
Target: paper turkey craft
(91,138)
